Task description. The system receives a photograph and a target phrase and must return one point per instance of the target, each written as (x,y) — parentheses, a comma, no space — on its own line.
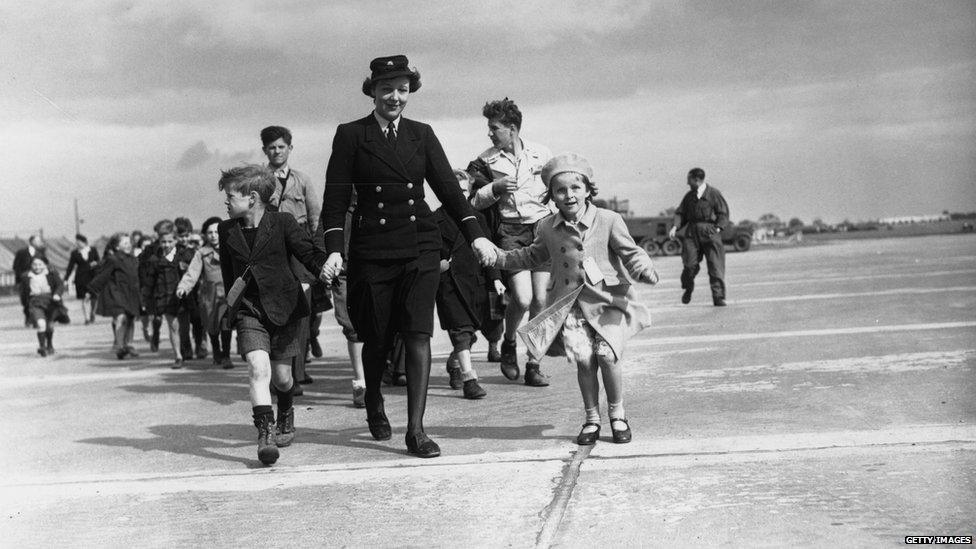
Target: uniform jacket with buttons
(610,305)
(278,237)
(526,204)
(391,219)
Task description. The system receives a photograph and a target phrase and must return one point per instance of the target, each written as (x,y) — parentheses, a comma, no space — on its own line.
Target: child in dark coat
(161,276)
(462,297)
(116,285)
(41,289)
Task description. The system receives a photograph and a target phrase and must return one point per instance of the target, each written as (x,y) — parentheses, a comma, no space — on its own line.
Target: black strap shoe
(420,445)
(621,436)
(588,439)
(686,297)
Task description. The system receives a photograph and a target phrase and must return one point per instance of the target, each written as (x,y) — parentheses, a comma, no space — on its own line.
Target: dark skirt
(387,296)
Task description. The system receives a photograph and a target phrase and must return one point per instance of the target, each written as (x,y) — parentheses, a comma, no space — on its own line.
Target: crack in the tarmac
(552,514)
(756,451)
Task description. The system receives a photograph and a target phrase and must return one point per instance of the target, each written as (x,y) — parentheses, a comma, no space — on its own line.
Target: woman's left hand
(485,250)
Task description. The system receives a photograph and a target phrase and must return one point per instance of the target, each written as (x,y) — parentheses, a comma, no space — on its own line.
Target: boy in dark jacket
(266,300)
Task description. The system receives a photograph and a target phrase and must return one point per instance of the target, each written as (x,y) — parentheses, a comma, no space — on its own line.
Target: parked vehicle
(651,233)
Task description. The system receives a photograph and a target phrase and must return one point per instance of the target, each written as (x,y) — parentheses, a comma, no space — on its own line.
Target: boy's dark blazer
(278,237)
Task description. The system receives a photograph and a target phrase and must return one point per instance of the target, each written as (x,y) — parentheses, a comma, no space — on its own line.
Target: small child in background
(116,286)
(462,297)
(41,288)
(592,304)
(211,297)
(161,276)
(192,340)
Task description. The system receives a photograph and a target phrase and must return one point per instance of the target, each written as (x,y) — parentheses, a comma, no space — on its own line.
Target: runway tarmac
(832,402)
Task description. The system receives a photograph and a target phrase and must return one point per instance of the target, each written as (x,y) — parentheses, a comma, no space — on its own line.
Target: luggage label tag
(593,272)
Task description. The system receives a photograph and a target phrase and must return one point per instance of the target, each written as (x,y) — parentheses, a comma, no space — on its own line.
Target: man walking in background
(703,213)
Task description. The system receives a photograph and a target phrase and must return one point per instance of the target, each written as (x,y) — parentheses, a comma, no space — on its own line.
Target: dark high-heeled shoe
(622,436)
(421,446)
(379,425)
(588,438)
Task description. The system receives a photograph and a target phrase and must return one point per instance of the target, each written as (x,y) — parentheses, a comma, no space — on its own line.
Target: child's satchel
(236,292)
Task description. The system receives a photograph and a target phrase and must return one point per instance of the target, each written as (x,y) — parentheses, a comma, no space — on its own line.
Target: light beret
(566,162)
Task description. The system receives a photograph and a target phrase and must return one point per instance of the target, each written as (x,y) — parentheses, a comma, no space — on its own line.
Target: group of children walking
(591,311)
(174,278)
(242,278)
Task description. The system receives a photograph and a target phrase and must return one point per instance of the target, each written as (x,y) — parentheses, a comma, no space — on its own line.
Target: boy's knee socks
(285,397)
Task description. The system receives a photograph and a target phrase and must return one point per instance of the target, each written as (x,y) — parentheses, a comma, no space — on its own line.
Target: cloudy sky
(811,109)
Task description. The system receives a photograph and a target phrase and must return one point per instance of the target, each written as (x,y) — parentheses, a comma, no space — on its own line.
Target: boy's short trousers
(512,236)
(281,342)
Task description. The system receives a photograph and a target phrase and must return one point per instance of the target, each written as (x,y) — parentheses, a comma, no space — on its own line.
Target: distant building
(904,219)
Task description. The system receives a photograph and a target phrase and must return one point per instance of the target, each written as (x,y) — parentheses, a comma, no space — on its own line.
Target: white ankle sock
(592,416)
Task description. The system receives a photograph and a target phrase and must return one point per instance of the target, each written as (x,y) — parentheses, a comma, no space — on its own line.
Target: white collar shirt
(384,124)
(526,205)
(700,191)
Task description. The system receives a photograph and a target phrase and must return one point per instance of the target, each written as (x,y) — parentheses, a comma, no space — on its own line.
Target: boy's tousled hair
(81,238)
(164,226)
(247,179)
(183,225)
(697,173)
(274,133)
(503,110)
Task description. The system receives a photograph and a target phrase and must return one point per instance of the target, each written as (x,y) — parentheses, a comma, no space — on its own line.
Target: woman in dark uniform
(394,256)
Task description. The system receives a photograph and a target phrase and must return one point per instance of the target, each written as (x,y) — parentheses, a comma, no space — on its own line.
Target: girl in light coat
(591,306)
